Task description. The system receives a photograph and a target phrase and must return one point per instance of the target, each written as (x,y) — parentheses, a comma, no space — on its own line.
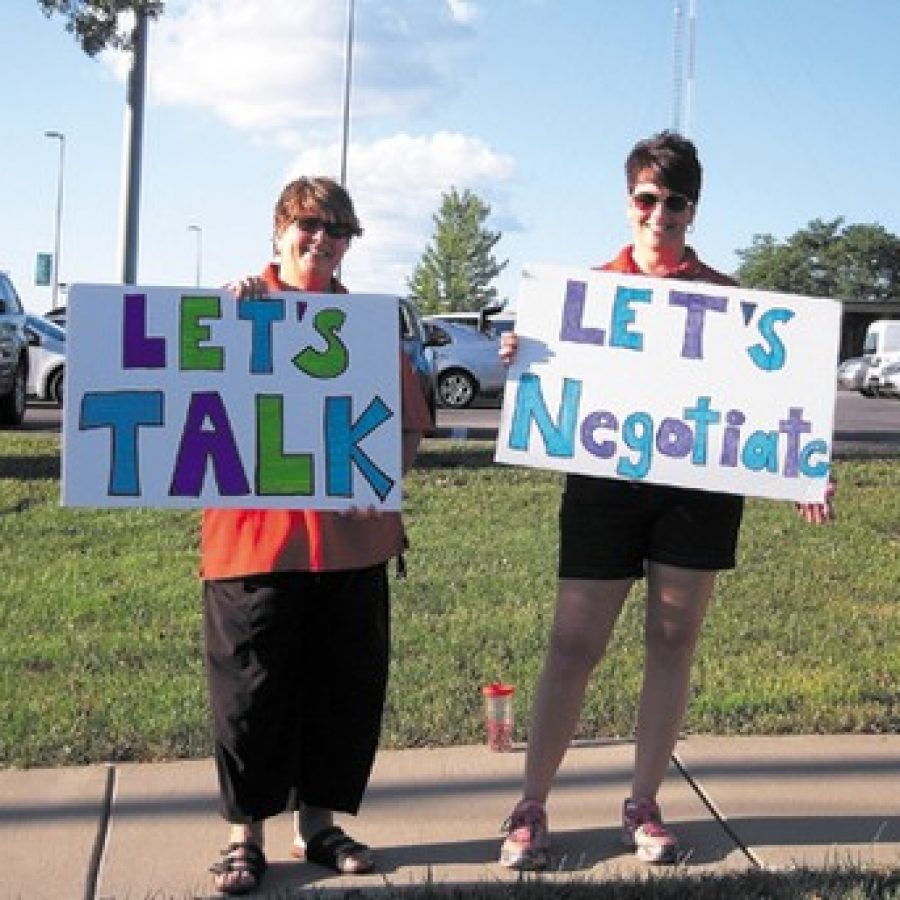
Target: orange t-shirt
(240,542)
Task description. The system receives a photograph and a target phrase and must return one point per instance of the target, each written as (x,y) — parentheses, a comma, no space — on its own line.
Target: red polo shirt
(689,269)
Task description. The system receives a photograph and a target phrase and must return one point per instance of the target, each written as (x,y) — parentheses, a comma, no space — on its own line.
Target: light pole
(348,76)
(59,136)
(133,150)
(199,232)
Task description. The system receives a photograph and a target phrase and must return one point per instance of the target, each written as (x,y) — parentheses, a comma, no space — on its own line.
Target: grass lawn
(100,621)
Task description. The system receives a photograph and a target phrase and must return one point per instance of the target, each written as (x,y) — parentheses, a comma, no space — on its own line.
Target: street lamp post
(59,136)
(199,232)
(133,150)
(348,77)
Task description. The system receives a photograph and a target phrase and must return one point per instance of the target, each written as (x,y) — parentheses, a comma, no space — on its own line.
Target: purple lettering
(695,321)
(571,328)
(199,445)
(793,426)
(139,351)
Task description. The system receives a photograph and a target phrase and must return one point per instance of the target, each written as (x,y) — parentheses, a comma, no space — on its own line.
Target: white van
(881,348)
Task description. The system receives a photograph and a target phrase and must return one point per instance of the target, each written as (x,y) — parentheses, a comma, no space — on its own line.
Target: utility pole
(348,72)
(133,139)
(199,232)
(345,130)
(199,256)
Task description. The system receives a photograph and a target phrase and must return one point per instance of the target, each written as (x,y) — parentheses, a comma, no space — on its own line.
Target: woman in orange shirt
(296,613)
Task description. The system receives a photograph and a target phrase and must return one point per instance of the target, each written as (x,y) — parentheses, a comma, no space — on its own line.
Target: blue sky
(532,104)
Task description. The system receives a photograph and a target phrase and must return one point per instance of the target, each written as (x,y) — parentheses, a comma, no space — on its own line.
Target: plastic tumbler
(498,714)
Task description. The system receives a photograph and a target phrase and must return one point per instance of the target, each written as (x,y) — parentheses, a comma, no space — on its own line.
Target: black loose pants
(297,665)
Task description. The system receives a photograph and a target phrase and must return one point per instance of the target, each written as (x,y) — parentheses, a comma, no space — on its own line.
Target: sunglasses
(676,203)
(337,230)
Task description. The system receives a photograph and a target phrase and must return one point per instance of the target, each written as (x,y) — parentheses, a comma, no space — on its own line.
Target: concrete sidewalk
(151,830)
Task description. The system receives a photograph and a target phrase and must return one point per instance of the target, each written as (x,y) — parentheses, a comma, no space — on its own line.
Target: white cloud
(463,11)
(396,184)
(261,64)
(275,68)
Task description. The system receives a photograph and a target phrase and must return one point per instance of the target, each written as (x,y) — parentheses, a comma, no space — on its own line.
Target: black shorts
(610,528)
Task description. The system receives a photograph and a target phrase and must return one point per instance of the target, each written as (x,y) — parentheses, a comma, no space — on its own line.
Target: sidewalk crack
(717,814)
(99,848)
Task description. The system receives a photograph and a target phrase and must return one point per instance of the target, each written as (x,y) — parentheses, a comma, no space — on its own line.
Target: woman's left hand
(819,513)
(249,287)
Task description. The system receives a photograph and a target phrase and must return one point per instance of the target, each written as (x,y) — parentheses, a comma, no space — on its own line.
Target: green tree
(98,24)
(458,267)
(826,259)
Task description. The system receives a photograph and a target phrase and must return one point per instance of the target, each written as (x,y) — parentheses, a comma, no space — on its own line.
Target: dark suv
(13,356)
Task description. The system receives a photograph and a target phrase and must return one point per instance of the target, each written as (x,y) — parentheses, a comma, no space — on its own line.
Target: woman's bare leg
(586,612)
(677,601)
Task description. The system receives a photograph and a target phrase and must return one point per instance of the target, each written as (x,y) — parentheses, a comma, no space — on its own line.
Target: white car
(889,386)
(46,359)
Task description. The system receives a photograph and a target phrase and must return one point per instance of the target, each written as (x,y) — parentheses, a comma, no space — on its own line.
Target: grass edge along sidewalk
(839,883)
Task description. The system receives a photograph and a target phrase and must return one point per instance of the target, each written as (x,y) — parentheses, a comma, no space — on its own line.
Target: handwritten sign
(190,398)
(672,382)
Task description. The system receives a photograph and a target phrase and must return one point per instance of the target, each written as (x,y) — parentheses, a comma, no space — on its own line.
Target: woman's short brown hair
(671,158)
(316,194)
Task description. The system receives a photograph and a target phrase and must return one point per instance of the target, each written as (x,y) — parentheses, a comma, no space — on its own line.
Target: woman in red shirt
(296,613)
(613,532)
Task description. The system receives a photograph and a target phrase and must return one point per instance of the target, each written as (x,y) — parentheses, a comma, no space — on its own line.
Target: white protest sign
(184,397)
(672,382)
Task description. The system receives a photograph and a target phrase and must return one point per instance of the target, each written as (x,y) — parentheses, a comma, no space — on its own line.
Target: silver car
(851,373)
(466,361)
(46,359)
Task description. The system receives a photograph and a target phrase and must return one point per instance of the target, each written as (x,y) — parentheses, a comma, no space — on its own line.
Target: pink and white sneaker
(527,844)
(643,831)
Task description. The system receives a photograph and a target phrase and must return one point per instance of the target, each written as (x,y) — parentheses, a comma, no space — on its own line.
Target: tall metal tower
(683,67)
(689,89)
(677,65)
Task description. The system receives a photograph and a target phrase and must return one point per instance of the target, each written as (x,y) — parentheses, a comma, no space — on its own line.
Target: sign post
(43,269)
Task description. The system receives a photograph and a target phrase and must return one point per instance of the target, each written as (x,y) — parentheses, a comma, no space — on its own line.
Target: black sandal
(336,850)
(243,859)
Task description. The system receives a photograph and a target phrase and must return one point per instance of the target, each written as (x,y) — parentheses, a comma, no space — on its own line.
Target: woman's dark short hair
(317,194)
(671,158)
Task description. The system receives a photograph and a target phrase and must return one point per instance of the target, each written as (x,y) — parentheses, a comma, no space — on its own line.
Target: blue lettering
(559,436)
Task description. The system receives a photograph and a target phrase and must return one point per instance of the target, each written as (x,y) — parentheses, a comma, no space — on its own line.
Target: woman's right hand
(509,346)
(249,286)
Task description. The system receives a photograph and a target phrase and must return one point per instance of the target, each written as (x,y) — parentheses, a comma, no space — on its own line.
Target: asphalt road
(862,426)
